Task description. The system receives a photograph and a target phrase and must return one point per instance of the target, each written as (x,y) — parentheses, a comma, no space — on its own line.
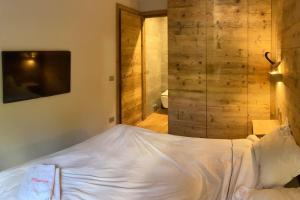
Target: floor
(157,122)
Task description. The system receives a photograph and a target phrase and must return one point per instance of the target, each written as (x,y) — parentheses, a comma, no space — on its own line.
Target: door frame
(154,13)
(149,14)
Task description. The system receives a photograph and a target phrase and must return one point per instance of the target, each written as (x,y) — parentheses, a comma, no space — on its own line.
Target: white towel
(41,182)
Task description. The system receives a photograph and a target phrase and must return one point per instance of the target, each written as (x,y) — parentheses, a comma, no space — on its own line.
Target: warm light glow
(30,63)
(274,72)
(280,85)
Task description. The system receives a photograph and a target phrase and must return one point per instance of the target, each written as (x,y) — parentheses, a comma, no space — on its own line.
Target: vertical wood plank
(131,68)
(187,67)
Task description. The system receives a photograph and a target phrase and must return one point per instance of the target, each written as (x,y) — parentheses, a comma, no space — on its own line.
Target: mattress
(130,163)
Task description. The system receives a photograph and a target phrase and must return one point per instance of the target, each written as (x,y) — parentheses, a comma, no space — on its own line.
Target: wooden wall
(286,46)
(218,77)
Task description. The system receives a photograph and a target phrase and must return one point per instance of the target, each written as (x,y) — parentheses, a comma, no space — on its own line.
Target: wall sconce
(275,74)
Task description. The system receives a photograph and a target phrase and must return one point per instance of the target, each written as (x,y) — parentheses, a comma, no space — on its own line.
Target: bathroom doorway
(142,69)
(155,87)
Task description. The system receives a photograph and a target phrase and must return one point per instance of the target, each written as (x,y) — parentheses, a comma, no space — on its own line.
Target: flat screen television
(35,74)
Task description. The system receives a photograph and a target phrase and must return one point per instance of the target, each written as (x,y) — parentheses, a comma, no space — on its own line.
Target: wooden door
(130,67)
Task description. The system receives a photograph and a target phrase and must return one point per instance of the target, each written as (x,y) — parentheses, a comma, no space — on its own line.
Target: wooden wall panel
(187,67)
(187,113)
(227,86)
(286,46)
(217,47)
(131,68)
(228,121)
(259,42)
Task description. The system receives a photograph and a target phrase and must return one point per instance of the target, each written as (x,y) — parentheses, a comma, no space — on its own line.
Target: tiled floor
(156,122)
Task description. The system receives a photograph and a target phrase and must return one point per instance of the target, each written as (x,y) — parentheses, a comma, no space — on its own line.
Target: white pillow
(279,158)
(274,194)
(253,138)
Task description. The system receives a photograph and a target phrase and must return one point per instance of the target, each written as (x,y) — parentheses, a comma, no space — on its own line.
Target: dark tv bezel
(5,101)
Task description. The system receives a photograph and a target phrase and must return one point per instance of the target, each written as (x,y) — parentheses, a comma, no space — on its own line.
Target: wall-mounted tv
(34,74)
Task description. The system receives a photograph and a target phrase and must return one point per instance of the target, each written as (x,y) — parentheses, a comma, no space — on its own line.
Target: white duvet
(129,163)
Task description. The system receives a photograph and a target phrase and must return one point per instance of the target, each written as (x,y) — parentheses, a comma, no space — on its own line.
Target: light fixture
(275,74)
(275,65)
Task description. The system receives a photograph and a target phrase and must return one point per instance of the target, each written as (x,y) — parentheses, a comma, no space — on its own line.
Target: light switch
(111,78)
(111,119)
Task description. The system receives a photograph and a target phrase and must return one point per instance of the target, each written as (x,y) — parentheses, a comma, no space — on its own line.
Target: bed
(130,163)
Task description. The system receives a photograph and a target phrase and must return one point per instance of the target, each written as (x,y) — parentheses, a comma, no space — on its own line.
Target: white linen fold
(57,186)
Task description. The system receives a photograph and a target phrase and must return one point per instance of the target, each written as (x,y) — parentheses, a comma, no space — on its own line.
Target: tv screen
(34,74)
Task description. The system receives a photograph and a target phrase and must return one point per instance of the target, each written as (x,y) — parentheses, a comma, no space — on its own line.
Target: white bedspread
(129,163)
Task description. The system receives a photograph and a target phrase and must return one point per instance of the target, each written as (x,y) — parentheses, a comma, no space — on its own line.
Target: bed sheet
(130,163)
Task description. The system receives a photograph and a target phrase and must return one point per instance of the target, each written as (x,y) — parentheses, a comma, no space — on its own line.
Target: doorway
(142,69)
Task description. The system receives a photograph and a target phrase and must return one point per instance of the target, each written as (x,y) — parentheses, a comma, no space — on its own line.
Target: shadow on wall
(25,153)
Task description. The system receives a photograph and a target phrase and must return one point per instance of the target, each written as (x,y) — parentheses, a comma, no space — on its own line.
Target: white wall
(29,129)
(149,5)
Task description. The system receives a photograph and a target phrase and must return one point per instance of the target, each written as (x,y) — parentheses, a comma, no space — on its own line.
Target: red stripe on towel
(36,180)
